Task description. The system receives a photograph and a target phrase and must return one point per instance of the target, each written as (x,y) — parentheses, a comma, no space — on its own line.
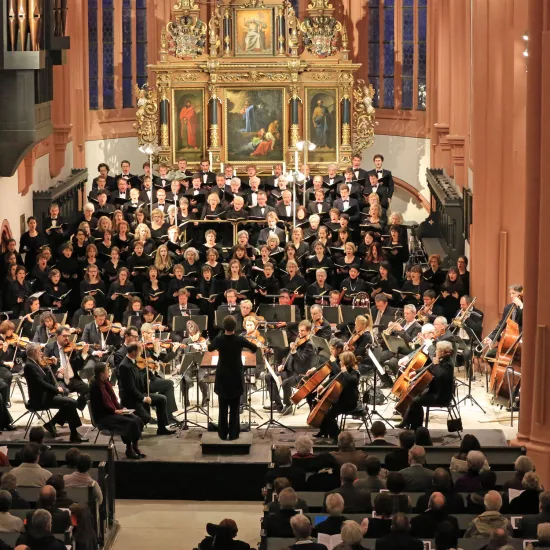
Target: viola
(317,326)
(79,346)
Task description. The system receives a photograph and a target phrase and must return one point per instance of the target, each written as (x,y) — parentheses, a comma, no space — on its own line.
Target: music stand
(321,346)
(395,344)
(377,369)
(330,313)
(349,313)
(469,396)
(218,322)
(179,323)
(84,320)
(276,312)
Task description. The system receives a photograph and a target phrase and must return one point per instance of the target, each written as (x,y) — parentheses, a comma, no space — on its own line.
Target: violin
(163,344)
(21,341)
(79,346)
(111,327)
(146,362)
(350,344)
(47,361)
(317,326)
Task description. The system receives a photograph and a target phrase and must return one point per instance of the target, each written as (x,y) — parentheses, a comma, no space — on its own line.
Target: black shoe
(401,426)
(287,410)
(319,435)
(77,438)
(139,453)
(131,454)
(205,402)
(165,431)
(153,421)
(10,428)
(50,428)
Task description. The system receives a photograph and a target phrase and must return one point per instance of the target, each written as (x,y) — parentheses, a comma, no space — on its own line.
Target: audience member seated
(71,460)
(356,501)
(522,465)
(47,456)
(482,526)
(222,536)
(30,473)
(497,540)
(81,478)
(39,535)
(351,536)
(443,483)
(422,437)
(8,522)
(446,536)
(458,461)
(373,481)
(278,524)
(400,501)
(301,528)
(378,432)
(323,468)
(543,538)
(348,453)
(57,482)
(335,508)
(417,477)
(529,525)
(470,482)
(424,525)
(278,485)
(399,459)
(9,483)
(84,536)
(282,459)
(528,501)
(474,501)
(399,538)
(61,520)
(380,523)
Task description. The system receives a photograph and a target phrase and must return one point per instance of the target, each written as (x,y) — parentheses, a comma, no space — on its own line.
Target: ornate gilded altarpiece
(249,84)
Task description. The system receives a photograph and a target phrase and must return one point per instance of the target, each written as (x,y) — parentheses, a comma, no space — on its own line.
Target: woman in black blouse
(385,282)
(235,279)
(240,254)
(123,240)
(372,262)
(18,291)
(267,285)
(56,292)
(92,285)
(30,242)
(118,294)
(133,311)
(451,291)
(317,261)
(417,285)
(154,292)
(462,265)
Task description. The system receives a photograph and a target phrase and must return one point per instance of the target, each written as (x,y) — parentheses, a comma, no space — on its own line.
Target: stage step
(212,445)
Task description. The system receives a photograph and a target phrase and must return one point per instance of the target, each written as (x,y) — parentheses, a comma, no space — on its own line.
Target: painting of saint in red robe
(189,124)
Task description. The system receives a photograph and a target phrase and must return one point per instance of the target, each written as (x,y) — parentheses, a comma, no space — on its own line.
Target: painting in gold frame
(254,34)
(322,113)
(255,125)
(188,124)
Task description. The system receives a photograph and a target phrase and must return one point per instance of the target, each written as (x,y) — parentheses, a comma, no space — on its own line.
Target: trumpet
(388,331)
(423,314)
(461,317)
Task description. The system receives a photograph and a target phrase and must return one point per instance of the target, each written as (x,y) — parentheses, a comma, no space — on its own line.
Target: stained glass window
(127,97)
(92,55)
(422,14)
(108,55)
(141,41)
(374,48)
(407,71)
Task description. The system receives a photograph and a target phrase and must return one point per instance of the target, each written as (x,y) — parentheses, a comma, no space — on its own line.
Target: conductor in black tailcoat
(229,385)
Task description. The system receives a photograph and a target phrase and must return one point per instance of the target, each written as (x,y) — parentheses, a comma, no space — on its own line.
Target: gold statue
(147,115)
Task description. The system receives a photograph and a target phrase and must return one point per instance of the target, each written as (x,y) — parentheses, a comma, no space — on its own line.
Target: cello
(330,396)
(506,373)
(418,385)
(309,384)
(401,385)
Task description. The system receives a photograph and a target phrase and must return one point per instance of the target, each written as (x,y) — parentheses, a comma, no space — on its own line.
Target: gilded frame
(239,13)
(192,156)
(321,155)
(281,108)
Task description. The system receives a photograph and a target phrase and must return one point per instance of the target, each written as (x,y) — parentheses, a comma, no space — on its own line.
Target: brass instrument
(389,330)
(461,317)
(361,299)
(423,314)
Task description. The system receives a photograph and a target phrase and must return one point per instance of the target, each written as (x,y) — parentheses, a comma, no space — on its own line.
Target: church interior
(346,194)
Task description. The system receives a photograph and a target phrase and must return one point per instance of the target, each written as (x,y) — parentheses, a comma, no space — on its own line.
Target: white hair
(410,307)
(428,327)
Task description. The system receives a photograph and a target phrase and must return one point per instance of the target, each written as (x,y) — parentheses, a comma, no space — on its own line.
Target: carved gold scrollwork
(214,32)
(321,76)
(255,4)
(363,118)
(147,115)
(186,5)
(184,77)
(186,37)
(346,82)
(294,93)
(320,5)
(214,135)
(294,135)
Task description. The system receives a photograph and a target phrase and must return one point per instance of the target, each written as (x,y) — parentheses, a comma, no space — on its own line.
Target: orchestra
(114,286)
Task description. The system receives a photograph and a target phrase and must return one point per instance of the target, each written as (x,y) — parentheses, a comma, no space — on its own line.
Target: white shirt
(288,209)
(380,173)
(356,172)
(204,178)
(345,203)
(64,362)
(319,207)
(254,198)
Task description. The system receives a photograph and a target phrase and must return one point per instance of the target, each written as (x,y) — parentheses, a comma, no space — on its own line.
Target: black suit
(210,178)
(282,214)
(385,178)
(117,195)
(229,385)
(381,443)
(256,211)
(382,191)
(61,519)
(399,541)
(339,204)
(359,174)
(332,525)
(278,524)
(335,181)
(530,524)
(355,192)
(110,183)
(265,232)
(144,196)
(43,394)
(424,526)
(312,207)
(356,501)
(132,179)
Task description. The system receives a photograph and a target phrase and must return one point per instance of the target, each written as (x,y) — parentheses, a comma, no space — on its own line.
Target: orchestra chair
(454,422)
(100,429)
(365,416)
(17,381)
(34,413)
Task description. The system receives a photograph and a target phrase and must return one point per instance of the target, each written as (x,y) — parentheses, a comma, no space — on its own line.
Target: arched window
(397,53)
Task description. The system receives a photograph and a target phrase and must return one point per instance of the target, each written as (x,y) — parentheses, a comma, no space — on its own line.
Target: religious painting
(322,114)
(188,119)
(255,125)
(254,32)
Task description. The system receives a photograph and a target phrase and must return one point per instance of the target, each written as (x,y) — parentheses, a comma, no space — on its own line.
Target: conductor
(229,385)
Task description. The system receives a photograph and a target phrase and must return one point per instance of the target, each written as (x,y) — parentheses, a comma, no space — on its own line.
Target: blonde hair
(351,532)
(159,263)
(140,227)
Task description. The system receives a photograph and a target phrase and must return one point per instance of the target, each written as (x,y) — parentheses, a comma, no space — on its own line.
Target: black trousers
(80,387)
(329,426)
(67,411)
(165,388)
(129,426)
(414,417)
(143,410)
(229,409)
(6,377)
(289,381)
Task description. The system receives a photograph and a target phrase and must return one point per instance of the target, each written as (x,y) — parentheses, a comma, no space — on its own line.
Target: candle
(221,166)
(272,172)
(210,158)
(296,160)
(284,167)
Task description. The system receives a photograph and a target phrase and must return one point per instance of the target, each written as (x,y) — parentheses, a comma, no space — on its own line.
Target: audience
(30,473)
(378,432)
(323,468)
(399,458)
(61,520)
(482,526)
(422,437)
(529,525)
(446,536)
(399,538)
(425,525)
(373,481)
(47,456)
(57,482)
(443,483)
(498,539)
(278,485)
(380,524)
(352,535)
(81,478)
(474,501)
(528,501)
(283,467)
(222,537)
(522,465)
(417,477)
(301,528)
(8,522)
(396,487)
(71,460)
(335,507)
(83,531)
(470,481)
(39,535)
(9,483)
(356,501)
(348,453)
(458,461)
(543,538)
(278,523)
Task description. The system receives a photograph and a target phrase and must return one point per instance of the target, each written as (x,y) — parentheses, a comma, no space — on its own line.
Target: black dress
(30,245)
(229,385)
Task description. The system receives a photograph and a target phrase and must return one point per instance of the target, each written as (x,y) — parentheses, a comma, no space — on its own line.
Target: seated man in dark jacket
(335,508)
(282,459)
(470,482)
(529,525)
(61,519)
(278,524)
(443,483)
(424,525)
(356,500)
(39,534)
(399,459)
(399,538)
(47,456)
(278,485)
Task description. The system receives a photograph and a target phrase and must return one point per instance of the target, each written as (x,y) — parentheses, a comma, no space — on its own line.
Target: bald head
(47,495)
(493,501)
(437,501)
(417,455)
